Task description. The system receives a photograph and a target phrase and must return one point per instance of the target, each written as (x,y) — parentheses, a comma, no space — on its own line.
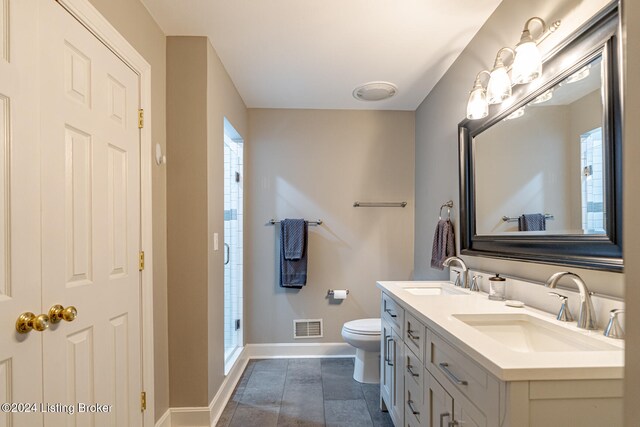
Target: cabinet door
(397,392)
(386,365)
(439,404)
(467,415)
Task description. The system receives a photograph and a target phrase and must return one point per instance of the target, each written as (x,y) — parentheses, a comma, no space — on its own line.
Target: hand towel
(293,253)
(444,244)
(293,238)
(532,222)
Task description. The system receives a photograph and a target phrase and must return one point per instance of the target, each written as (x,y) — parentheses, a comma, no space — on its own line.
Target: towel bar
(318,222)
(379,204)
(515,218)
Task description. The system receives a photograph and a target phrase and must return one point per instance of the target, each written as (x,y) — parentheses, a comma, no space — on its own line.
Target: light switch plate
(215,241)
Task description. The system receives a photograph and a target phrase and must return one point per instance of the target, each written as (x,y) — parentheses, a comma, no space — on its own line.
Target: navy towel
(532,222)
(293,253)
(444,244)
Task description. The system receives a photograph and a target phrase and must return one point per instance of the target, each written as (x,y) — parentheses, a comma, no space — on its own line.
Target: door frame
(98,25)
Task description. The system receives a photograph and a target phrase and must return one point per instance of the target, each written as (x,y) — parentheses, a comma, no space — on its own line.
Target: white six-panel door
(90,222)
(69,218)
(20,354)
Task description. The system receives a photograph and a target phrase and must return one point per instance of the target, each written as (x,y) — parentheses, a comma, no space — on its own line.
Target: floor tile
(347,413)
(302,405)
(248,415)
(303,393)
(270,365)
(372,397)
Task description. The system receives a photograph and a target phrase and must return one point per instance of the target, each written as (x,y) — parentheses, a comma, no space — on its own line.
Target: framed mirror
(541,177)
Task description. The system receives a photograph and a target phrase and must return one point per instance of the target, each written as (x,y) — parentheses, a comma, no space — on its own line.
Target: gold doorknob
(28,321)
(58,313)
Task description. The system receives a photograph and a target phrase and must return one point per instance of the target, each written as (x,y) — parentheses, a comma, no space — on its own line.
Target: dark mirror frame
(599,36)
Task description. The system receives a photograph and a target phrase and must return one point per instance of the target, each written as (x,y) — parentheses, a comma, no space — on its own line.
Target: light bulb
(499,87)
(477,107)
(527,65)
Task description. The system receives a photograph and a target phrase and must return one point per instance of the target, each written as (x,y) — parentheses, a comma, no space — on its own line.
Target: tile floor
(303,393)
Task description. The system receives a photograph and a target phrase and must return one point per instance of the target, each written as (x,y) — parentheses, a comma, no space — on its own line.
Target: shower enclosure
(233,254)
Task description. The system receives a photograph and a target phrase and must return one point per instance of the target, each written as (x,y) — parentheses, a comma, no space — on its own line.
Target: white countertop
(437,313)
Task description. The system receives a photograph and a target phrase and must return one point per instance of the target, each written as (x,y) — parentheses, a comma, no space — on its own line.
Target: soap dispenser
(497,288)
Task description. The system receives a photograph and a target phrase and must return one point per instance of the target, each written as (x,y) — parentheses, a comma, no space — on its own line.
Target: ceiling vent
(375,91)
(307,328)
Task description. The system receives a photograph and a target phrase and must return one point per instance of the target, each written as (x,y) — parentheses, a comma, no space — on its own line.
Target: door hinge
(141,261)
(143,401)
(140,118)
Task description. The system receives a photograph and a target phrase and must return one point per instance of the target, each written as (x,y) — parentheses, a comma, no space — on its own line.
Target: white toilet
(364,335)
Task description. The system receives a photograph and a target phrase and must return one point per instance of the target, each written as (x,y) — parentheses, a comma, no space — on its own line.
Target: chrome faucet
(464,283)
(587,316)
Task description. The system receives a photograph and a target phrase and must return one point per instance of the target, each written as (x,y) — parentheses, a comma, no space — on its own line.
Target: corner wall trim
(209,416)
(165,419)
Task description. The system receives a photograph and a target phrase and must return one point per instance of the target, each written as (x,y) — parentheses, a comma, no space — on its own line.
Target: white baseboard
(285,350)
(165,419)
(209,416)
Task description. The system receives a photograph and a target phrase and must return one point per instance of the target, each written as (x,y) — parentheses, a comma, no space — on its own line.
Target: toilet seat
(364,326)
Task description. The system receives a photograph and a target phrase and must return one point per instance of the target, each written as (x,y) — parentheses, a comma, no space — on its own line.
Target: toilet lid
(364,326)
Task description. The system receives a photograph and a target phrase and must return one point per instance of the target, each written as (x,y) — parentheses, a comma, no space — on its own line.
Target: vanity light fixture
(477,106)
(526,67)
(499,86)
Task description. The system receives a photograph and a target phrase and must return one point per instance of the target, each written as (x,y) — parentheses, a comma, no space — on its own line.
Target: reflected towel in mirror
(532,222)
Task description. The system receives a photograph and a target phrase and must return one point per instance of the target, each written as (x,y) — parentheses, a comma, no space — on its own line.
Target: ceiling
(312,54)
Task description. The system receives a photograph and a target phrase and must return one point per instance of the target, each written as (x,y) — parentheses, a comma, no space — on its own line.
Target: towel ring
(448,205)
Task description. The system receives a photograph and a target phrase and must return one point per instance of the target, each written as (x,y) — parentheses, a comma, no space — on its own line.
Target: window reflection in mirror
(541,169)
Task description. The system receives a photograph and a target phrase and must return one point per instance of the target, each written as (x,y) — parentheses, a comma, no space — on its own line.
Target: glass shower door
(233,253)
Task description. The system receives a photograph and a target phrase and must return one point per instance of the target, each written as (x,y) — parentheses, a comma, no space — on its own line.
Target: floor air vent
(307,328)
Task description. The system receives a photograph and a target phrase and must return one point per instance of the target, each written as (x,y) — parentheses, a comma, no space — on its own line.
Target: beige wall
(437,119)
(135,23)
(631,25)
(187,218)
(199,95)
(315,164)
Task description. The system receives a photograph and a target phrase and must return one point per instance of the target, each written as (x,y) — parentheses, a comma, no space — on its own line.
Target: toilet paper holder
(330,292)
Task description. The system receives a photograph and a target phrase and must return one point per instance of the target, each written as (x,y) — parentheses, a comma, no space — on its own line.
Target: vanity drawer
(415,408)
(413,369)
(450,366)
(392,313)
(414,335)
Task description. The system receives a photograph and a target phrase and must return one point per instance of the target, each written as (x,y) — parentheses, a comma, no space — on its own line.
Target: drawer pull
(445,368)
(386,347)
(410,370)
(410,404)
(442,417)
(388,311)
(410,335)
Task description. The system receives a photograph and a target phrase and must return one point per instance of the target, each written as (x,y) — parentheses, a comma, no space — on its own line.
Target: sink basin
(434,290)
(528,334)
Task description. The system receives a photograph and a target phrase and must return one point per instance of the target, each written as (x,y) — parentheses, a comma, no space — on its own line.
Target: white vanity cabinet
(426,381)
